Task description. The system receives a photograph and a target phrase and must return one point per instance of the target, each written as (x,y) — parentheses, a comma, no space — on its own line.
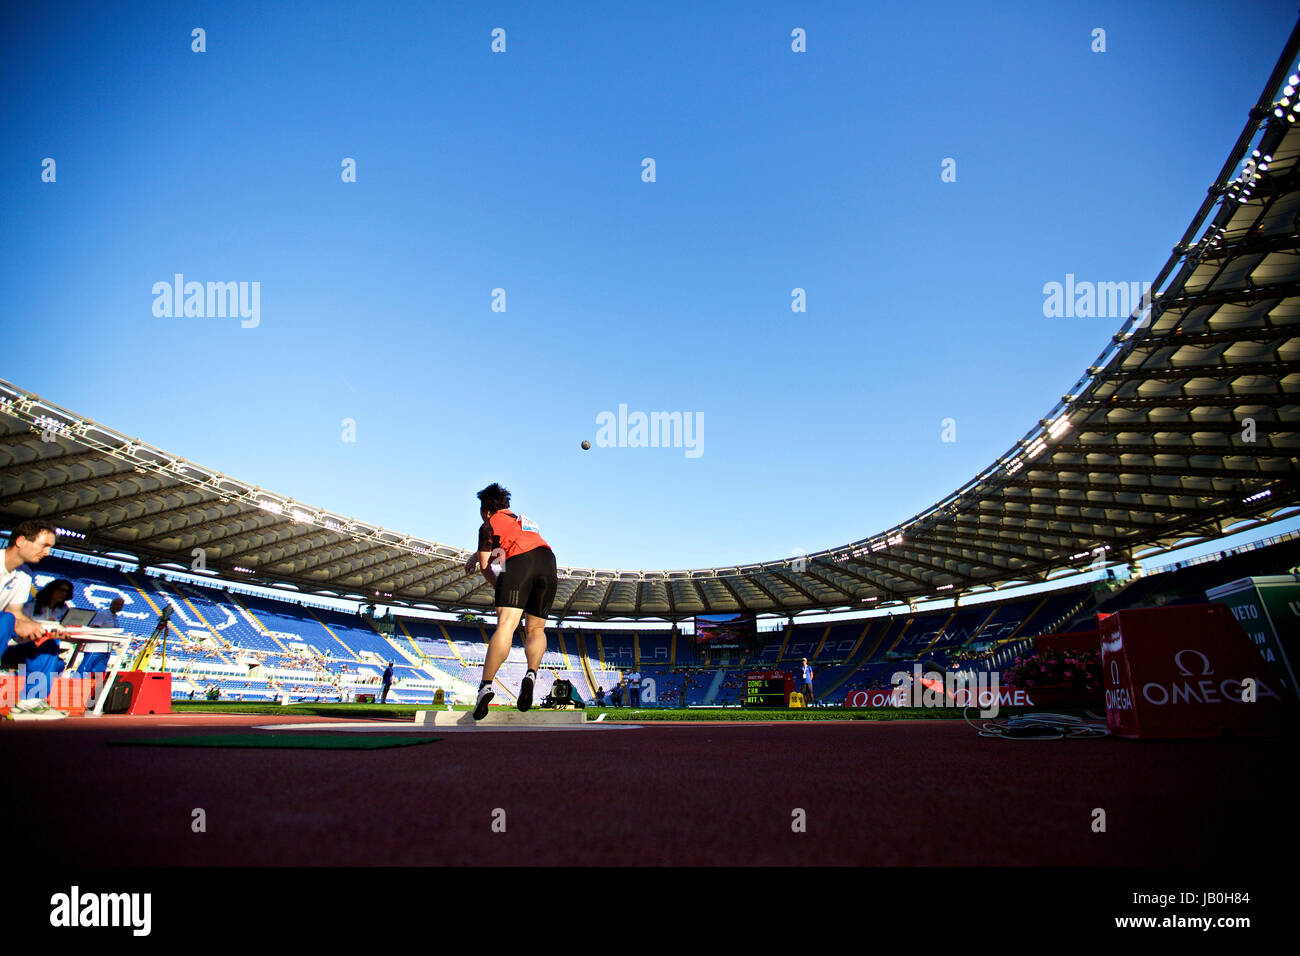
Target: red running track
(889,793)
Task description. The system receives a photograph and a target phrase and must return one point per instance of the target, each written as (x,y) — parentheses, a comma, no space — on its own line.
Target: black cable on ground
(1041,726)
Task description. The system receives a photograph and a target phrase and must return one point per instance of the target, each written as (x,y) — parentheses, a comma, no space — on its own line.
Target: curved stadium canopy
(1151,448)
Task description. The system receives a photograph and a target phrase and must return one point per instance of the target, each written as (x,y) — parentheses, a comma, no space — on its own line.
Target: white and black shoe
(485,695)
(526,691)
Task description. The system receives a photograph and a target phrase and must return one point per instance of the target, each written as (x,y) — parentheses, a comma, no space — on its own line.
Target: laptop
(78,617)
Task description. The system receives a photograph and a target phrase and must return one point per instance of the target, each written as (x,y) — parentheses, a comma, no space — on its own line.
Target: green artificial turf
(644,715)
(404,712)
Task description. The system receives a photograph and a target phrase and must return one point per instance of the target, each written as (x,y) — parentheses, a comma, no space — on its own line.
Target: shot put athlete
(514,557)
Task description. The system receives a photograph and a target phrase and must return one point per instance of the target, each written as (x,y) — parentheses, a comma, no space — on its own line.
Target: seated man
(31,652)
(94,659)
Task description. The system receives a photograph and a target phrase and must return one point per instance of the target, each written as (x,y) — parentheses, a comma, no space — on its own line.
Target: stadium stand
(246,646)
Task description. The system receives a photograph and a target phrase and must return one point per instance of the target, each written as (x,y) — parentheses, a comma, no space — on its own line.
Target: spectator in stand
(807,689)
(32,651)
(388,680)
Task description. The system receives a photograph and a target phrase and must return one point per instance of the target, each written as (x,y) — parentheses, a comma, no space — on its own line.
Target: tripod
(160,632)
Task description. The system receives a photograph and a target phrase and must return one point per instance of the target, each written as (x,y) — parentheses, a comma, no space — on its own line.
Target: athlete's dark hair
(494,498)
(31,530)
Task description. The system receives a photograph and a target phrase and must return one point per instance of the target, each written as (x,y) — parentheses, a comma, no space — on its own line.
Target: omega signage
(1186,671)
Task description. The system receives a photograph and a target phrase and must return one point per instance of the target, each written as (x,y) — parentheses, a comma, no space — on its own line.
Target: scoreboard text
(767,690)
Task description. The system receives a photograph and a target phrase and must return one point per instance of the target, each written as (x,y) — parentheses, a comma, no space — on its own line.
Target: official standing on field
(807,689)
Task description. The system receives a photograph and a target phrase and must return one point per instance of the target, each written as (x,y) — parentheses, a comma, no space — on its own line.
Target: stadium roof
(1184,428)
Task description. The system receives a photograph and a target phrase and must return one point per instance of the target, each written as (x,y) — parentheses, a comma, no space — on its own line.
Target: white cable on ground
(1041,726)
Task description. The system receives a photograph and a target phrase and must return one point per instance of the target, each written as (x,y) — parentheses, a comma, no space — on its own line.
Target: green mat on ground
(295,741)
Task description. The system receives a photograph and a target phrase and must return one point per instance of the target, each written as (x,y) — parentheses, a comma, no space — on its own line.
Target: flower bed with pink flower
(1058,676)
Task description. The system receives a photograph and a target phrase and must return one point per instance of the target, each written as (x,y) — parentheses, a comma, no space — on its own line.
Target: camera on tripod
(563,694)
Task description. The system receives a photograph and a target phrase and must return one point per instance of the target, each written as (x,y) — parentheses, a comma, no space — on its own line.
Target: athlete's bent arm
(482,561)
(485,565)
(24,627)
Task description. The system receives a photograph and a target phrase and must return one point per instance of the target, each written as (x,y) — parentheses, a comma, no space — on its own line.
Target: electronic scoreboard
(770,689)
(726,631)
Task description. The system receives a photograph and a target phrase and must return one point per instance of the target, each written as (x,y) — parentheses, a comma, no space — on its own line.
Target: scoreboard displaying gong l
(768,689)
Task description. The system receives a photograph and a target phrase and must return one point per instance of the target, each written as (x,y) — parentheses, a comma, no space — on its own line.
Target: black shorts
(529,582)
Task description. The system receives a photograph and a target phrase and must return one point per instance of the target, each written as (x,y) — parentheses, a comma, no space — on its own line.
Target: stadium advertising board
(1268,610)
(1185,671)
(904,697)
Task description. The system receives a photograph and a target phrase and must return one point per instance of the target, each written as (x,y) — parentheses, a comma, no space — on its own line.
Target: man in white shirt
(94,657)
(31,651)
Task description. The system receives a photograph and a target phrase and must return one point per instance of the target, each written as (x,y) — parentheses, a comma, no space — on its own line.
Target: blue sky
(522,170)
